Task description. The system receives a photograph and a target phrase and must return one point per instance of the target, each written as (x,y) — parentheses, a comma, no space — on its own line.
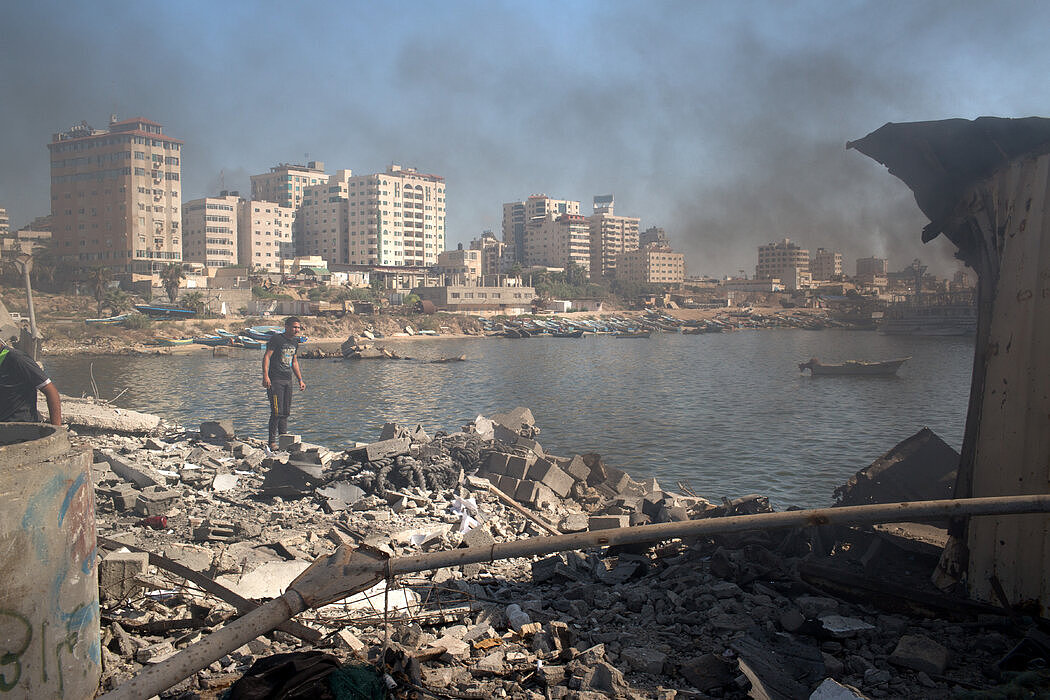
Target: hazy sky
(723,122)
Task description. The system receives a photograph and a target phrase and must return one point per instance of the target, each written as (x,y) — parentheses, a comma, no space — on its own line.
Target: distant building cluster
(545,232)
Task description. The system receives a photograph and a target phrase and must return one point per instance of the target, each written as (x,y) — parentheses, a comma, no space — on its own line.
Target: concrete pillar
(49,616)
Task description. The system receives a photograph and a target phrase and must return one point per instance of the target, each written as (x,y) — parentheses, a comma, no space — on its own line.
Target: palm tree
(171,276)
(98,278)
(117,300)
(193,300)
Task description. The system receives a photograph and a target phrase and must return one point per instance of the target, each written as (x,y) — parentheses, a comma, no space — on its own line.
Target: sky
(724,123)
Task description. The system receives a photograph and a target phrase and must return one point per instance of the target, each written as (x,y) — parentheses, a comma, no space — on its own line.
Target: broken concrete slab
(217,429)
(117,574)
(920,653)
(268,581)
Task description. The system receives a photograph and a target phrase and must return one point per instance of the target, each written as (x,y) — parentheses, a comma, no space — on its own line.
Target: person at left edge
(280,363)
(20,379)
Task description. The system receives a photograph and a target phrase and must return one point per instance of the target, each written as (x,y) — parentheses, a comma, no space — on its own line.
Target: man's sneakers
(271,448)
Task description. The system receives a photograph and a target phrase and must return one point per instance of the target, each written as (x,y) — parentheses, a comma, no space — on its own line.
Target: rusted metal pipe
(347,571)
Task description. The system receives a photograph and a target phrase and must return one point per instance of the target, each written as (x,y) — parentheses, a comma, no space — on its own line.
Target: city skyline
(723,124)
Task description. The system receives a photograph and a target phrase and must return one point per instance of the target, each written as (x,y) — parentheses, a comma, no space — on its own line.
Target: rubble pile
(196,526)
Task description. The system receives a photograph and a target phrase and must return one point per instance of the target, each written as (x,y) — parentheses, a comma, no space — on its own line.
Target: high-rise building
(286,184)
(395,218)
(654,264)
(611,235)
(651,236)
(781,260)
(116,196)
(5,224)
(522,219)
(872,266)
(209,230)
(264,234)
(825,264)
(464,266)
(560,241)
(491,253)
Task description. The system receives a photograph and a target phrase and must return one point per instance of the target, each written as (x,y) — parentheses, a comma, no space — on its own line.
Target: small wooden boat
(111,321)
(213,340)
(853,367)
(243,341)
(164,311)
(632,334)
(578,333)
(169,342)
(262,332)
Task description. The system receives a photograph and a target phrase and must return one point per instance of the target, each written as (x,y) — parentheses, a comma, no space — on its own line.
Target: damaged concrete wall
(984,185)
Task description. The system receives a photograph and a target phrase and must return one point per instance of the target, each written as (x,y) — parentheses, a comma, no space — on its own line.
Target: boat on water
(632,334)
(578,333)
(884,368)
(111,321)
(164,311)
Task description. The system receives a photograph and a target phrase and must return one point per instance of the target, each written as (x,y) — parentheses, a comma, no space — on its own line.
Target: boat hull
(854,368)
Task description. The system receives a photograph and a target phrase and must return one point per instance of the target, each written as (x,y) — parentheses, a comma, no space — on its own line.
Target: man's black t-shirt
(284,349)
(20,378)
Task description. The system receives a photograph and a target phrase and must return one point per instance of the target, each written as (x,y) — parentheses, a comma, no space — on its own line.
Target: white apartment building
(560,241)
(265,234)
(611,236)
(210,230)
(116,196)
(825,264)
(522,219)
(783,260)
(396,218)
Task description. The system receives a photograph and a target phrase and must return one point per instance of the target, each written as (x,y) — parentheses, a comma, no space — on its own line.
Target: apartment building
(559,241)
(395,218)
(653,264)
(781,260)
(872,266)
(653,235)
(116,198)
(286,184)
(491,248)
(209,232)
(825,265)
(463,266)
(522,219)
(264,234)
(5,223)
(611,236)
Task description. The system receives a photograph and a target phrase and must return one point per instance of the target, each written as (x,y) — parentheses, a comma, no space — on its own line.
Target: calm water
(728,413)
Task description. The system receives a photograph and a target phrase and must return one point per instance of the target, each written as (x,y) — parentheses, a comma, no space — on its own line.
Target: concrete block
(150,503)
(478,536)
(117,572)
(607,522)
(217,429)
(644,660)
(573,522)
(527,491)
(508,485)
(517,467)
(550,475)
(577,468)
(544,496)
(531,444)
(494,479)
(497,463)
(124,499)
(288,441)
(503,434)
(920,653)
(125,470)
(379,450)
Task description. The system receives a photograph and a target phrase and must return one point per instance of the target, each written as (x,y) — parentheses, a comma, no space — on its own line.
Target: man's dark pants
(280,396)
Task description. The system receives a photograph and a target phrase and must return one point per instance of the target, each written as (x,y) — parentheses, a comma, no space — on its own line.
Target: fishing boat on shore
(632,334)
(213,340)
(172,342)
(884,368)
(578,333)
(111,321)
(164,311)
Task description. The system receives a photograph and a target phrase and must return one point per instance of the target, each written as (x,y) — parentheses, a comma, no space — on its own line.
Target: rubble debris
(642,622)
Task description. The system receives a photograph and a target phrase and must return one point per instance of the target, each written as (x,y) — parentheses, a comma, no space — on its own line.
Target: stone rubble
(709,617)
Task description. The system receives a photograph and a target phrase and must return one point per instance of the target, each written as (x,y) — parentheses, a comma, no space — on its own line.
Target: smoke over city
(723,123)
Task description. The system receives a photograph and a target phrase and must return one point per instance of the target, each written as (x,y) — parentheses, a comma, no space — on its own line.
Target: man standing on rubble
(20,379)
(280,363)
